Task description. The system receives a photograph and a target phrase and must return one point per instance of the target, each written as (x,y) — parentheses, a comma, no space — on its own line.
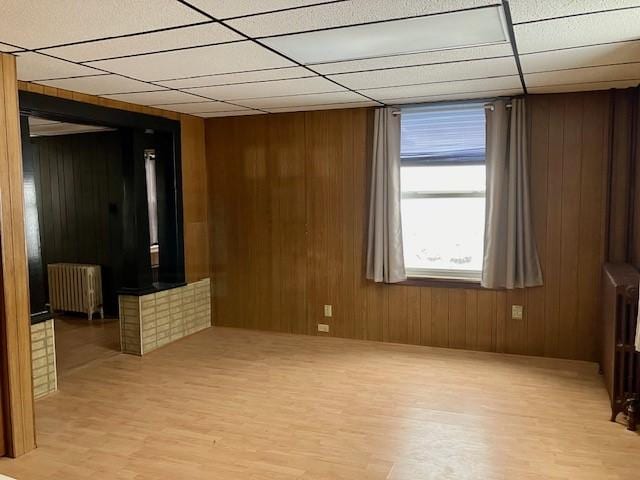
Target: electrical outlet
(516,312)
(323,327)
(328,311)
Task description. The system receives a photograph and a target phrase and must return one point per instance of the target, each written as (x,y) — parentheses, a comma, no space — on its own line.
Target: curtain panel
(385,257)
(510,254)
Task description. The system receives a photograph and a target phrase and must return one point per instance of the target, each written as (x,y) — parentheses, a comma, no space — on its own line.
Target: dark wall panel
(78,189)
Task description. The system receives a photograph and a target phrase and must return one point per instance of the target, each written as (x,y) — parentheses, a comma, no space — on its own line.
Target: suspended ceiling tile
(8,48)
(201,107)
(428,74)
(392,61)
(463,86)
(225,9)
(268,89)
(242,77)
(457,96)
(607,54)
(38,23)
(346,13)
(227,58)
(163,97)
(146,43)
(582,75)
(590,29)
(331,106)
(301,100)
(229,113)
(101,84)
(532,10)
(585,87)
(437,32)
(34,66)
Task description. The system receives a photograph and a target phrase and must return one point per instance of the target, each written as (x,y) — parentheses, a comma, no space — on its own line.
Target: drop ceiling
(243,57)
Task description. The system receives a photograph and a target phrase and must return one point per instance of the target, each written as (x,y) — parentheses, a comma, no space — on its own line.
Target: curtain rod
(490,106)
(487,106)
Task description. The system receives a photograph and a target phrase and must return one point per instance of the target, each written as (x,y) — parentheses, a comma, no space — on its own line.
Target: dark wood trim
(63,109)
(140,131)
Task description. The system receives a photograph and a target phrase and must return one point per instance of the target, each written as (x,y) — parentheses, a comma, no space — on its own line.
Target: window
(443,190)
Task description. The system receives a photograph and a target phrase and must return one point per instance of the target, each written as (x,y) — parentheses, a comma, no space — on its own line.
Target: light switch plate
(516,312)
(328,311)
(323,327)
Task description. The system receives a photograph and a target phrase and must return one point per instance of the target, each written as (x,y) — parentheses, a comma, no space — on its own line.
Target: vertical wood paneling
(555,146)
(195,199)
(78,182)
(15,339)
(539,171)
(329,149)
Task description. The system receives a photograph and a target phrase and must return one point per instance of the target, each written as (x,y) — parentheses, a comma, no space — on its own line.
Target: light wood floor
(238,404)
(80,342)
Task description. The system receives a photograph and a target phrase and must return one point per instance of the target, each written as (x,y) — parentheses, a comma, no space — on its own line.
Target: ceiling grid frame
(157,86)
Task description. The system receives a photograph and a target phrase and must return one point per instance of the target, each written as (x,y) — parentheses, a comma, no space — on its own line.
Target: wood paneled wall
(78,189)
(288,217)
(195,200)
(15,333)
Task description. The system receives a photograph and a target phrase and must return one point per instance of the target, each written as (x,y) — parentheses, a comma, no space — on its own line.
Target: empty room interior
(319,239)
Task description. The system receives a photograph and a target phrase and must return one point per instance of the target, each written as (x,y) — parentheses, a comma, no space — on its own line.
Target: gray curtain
(510,255)
(385,258)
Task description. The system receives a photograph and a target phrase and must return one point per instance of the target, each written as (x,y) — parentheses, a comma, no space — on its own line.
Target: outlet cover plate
(516,312)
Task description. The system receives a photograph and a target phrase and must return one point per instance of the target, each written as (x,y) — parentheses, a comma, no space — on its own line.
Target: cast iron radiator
(619,361)
(75,287)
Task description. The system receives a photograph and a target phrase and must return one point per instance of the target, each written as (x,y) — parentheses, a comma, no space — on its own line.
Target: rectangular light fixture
(482,26)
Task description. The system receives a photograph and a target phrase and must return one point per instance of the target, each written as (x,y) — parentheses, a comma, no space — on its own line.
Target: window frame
(450,278)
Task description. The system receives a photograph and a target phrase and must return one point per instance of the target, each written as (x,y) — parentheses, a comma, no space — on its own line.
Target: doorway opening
(101,196)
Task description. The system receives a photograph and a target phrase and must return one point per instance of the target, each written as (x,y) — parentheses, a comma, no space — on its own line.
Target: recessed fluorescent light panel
(468,28)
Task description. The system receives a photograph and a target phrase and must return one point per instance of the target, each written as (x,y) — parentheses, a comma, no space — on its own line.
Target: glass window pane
(443,233)
(459,178)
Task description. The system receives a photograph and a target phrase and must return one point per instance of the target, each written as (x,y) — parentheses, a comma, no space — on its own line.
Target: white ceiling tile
(225,9)
(201,107)
(531,10)
(331,106)
(101,84)
(231,113)
(241,77)
(227,58)
(583,75)
(456,96)
(346,13)
(423,58)
(301,100)
(33,66)
(162,97)
(578,31)
(458,87)
(149,42)
(437,32)
(429,73)
(584,87)
(607,54)
(268,89)
(38,23)
(8,48)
